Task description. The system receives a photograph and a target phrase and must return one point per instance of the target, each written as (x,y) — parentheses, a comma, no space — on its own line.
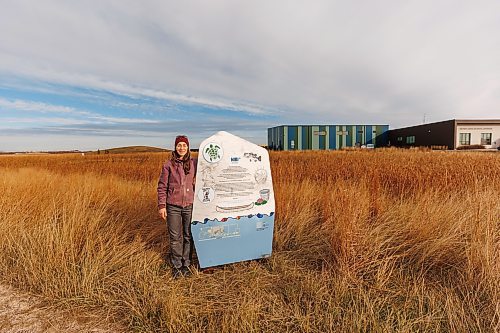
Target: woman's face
(181,149)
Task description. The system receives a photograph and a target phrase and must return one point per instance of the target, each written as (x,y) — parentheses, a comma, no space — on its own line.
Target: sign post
(233,209)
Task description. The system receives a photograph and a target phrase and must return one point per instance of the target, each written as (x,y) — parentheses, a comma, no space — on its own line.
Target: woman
(175,204)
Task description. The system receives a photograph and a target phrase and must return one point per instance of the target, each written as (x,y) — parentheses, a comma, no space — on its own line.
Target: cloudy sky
(101,74)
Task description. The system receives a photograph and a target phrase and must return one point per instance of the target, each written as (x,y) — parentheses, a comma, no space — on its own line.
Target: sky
(93,75)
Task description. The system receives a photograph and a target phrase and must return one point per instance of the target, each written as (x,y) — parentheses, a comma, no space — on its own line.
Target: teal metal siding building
(323,137)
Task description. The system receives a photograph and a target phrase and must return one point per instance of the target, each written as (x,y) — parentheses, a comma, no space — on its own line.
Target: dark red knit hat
(181,138)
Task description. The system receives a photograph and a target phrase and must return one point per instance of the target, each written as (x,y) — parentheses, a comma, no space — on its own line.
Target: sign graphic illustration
(233,210)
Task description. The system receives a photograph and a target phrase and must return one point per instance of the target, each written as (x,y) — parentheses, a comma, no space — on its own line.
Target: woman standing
(175,204)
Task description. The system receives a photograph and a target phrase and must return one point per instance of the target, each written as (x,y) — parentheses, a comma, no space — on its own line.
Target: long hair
(186,160)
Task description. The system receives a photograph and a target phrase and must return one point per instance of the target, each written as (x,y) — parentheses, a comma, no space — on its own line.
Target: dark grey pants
(179,232)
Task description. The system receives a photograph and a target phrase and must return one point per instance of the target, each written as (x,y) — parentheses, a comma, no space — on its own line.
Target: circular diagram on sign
(260,176)
(212,152)
(206,194)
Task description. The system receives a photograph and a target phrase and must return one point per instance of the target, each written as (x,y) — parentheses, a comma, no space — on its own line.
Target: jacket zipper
(183,181)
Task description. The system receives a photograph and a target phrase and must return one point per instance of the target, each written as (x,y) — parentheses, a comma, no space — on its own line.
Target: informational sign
(233,210)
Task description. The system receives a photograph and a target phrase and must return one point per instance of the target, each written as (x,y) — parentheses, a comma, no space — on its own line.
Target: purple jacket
(174,187)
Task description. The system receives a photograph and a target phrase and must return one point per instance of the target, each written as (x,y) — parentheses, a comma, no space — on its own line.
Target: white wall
(475,133)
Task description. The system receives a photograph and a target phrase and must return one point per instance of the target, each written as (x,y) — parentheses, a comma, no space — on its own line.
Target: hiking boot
(177,272)
(185,271)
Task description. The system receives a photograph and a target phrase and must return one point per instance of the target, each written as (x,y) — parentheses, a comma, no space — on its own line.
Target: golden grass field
(365,241)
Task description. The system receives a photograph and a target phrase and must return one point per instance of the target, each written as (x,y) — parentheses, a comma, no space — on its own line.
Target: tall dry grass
(364,241)
(139,166)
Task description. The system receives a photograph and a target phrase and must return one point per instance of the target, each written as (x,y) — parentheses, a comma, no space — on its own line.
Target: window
(486,138)
(400,139)
(464,139)
(410,139)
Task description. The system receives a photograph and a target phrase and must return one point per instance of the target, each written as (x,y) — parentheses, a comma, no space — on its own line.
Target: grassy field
(365,241)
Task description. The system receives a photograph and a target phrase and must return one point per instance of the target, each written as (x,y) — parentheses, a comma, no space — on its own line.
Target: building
(318,137)
(450,133)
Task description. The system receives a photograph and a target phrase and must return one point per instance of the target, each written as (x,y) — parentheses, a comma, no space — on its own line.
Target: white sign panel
(233,210)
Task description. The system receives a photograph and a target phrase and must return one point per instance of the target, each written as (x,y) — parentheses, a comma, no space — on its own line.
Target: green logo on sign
(211,152)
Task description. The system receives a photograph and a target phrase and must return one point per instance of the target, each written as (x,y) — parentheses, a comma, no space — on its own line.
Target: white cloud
(10,122)
(37,106)
(322,61)
(22,105)
(124,120)
(88,81)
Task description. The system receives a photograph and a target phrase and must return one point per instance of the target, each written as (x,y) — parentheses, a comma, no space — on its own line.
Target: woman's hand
(163,213)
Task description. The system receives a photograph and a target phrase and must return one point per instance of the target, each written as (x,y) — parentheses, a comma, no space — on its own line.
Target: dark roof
(333,125)
(477,121)
(456,121)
